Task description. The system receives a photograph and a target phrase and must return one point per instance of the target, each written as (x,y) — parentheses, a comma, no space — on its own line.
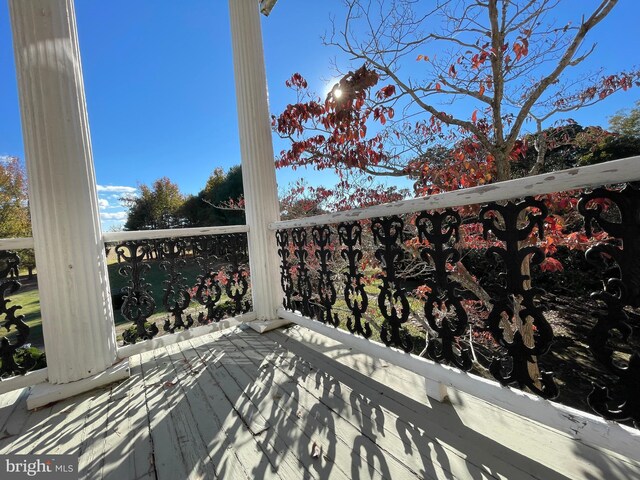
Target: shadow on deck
(289,405)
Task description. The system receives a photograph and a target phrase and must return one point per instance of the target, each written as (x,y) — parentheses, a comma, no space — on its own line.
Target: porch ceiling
(238,404)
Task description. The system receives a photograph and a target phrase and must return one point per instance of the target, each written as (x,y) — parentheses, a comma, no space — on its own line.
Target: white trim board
(172,233)
(194,332)
(46,393)
(22,381)
(16,243)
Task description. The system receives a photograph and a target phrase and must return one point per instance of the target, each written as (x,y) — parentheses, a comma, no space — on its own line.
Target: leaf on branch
(386,92)
(297,81)
(550,264)
(521,49)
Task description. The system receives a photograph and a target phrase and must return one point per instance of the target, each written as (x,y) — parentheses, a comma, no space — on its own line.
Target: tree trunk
(503,167)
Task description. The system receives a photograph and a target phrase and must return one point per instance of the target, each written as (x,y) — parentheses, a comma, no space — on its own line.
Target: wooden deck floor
(242,405)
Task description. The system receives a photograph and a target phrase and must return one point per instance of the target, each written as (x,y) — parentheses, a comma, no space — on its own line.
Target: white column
(258,168)
(72,274)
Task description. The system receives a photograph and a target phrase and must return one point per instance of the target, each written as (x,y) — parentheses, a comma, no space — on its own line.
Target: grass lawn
(29,299)
(155,276)
(375,319)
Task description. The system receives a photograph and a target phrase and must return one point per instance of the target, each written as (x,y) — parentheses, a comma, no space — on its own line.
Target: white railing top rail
(609,173)
(16,243)
(172,233)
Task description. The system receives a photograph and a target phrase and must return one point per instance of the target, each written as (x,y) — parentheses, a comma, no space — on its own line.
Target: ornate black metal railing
(405,279)
(620,259)
(15,358)
(188,280)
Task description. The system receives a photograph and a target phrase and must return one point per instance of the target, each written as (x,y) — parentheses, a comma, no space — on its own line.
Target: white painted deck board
(234,385)
(93,435)
(10,419)
(240,405)
(533,441)
(167,456)
(196,458)
(128,449)
(35,432)
(208,423)
(232,450)
(317,419)
(286,418)
(361,414)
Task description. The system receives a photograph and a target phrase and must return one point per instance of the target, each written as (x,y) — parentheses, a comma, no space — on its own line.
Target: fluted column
(258,168)
(72,273)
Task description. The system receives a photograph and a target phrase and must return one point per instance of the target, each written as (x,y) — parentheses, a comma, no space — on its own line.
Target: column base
(46,393)
(263,326)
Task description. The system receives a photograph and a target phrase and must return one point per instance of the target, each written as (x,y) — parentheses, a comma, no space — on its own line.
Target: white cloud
(116,189)
(103,203)
(113,216)
(120,195)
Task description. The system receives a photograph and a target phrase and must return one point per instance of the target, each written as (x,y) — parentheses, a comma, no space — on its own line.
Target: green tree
(572,145)
(15,220)
(14,210)
(157,207)
(626,122)
(220,202)
(622,141)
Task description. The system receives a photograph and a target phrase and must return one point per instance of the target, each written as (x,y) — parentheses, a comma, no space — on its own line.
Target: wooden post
(73,283)
(258,168)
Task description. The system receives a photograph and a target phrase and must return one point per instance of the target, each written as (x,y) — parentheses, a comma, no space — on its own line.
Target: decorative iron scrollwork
(176,298)
(237,286)
(221,263)
(392,300)
(326,289)
(443,308)
(138,303)
(208,285)
(286,280)
(515,321)
(9,262)
(621,290)
(299,236)
(355,295)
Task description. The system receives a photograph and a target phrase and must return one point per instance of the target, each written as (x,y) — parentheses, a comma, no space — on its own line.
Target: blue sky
(160,94)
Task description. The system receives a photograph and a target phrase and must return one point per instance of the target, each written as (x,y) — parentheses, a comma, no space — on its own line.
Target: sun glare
(337,93)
